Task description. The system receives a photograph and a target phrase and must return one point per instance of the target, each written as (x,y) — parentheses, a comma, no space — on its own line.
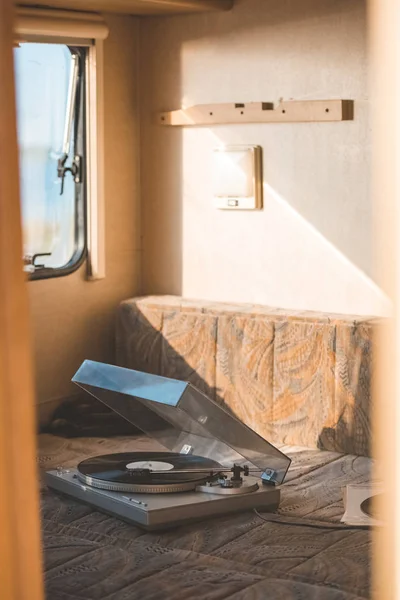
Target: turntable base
(162,511)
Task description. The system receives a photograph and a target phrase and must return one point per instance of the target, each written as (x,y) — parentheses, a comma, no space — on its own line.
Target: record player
(205,463)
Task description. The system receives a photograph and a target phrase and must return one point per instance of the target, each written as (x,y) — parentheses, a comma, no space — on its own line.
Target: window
(50,82)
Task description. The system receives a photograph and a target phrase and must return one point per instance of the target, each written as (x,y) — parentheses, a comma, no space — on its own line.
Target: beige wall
(310,248)
(311,245)
(72,318)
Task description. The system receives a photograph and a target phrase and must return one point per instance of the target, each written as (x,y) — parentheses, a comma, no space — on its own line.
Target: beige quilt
(300,553)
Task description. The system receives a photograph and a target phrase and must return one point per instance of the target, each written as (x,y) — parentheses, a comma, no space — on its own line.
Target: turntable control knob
(61,470)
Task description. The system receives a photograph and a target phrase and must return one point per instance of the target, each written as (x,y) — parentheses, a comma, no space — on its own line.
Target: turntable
(209,464)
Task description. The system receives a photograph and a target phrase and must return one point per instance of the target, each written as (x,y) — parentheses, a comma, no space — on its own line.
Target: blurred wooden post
(20,548)
(384,37)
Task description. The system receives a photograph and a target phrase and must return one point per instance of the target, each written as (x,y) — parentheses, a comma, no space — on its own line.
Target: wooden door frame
(384,71)
(20,546)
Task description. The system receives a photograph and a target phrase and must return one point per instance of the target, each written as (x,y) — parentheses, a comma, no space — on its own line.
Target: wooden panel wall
(385,78)
(20,555)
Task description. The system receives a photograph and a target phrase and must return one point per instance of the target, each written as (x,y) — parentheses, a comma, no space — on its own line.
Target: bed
(301,552)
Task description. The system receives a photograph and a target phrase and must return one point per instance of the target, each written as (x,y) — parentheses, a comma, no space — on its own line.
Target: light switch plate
(237,177)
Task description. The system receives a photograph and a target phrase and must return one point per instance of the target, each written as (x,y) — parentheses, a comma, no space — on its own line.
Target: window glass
(49,218)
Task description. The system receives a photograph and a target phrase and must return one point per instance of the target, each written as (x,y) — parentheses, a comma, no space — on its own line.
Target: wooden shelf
(291,111)
(136,7)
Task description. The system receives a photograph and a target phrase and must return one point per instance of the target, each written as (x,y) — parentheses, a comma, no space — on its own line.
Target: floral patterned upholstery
(300,378)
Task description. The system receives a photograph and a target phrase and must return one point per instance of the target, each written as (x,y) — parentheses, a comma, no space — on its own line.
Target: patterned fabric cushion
(301,378)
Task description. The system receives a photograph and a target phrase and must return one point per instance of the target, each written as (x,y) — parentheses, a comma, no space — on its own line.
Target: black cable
(338,527)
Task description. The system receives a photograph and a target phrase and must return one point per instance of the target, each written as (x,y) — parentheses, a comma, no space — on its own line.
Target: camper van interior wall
(238,177)
(218,438)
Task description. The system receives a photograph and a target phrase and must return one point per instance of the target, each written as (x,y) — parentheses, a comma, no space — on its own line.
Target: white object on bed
(353,496)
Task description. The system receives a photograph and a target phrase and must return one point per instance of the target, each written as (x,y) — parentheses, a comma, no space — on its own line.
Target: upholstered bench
(300,378)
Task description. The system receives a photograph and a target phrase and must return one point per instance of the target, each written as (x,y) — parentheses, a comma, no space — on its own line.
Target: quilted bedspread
(302,552)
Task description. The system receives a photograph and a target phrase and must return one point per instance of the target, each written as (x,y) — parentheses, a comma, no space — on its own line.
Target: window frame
(80,230)
(88,31)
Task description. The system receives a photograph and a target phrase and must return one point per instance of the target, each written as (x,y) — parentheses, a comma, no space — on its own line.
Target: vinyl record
(369,507)
(132,468)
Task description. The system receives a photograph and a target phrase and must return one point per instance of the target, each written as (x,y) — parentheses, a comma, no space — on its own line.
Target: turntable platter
(132,471)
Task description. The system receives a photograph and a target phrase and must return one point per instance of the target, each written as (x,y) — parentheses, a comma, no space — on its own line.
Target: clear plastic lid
(181,418)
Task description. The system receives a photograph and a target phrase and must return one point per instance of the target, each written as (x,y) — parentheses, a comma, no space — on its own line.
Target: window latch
(30,261)
(75,169)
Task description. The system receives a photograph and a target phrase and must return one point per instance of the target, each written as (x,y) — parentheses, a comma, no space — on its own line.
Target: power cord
(314,525)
